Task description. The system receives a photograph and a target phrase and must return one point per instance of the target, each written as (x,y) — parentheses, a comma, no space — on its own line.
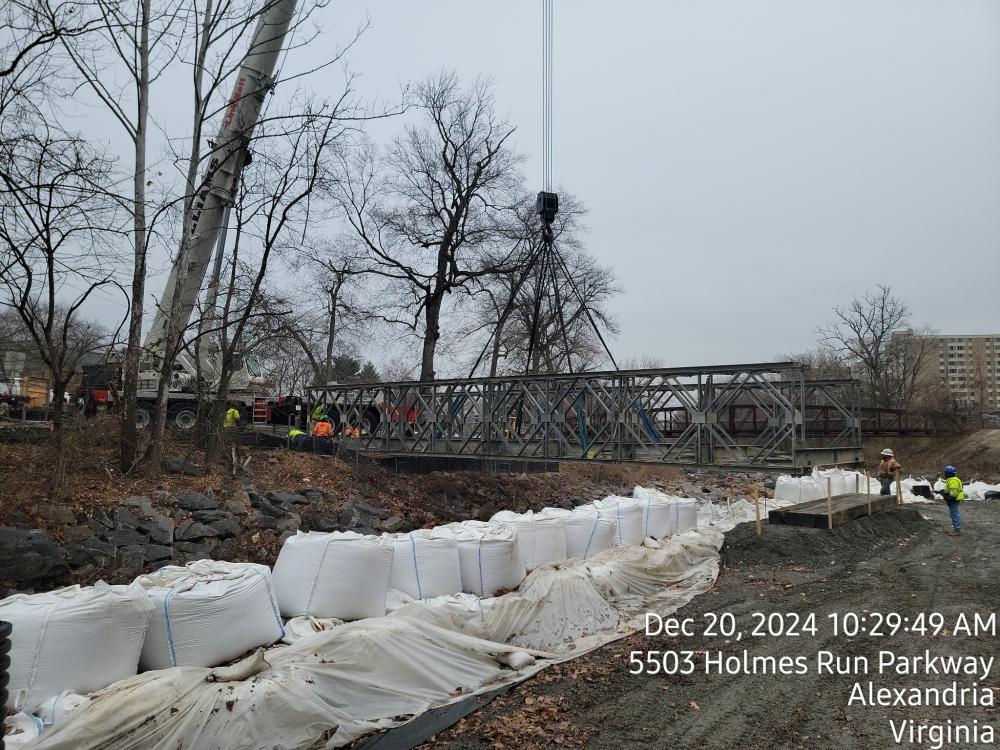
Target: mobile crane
(209,217)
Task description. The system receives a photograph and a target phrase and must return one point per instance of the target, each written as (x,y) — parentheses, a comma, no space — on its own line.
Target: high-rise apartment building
(968,366)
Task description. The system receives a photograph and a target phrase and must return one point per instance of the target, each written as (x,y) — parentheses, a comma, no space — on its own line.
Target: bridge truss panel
(754,416)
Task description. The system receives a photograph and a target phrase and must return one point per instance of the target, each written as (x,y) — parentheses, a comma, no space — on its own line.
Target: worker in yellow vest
(232,418)
(953,493)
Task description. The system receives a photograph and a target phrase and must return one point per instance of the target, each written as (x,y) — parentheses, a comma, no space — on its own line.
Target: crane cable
(547,92)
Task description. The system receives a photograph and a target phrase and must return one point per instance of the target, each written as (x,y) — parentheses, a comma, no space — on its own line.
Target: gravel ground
(901,561)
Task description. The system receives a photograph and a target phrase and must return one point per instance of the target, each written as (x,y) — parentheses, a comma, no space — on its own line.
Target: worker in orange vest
(323,428)
(887,468)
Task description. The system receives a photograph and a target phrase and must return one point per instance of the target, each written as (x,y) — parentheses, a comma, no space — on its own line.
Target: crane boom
(218,188)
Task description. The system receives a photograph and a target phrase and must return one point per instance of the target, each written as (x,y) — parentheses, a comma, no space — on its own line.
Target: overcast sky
(747,165)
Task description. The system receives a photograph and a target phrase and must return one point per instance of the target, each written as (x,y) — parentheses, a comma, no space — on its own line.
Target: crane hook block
(547,206)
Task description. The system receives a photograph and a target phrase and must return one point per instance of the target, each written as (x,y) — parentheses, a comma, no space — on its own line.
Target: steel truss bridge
(696,416)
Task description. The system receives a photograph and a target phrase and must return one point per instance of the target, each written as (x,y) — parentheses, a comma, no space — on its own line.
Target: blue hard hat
(950,470)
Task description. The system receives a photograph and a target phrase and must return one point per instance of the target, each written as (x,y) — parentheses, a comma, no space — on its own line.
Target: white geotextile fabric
(342,574)
(488,555)
(306,626)
(541,538)
(208,612)
(328,689)
(74,638)
(425,565)
(587,531)
(627,515)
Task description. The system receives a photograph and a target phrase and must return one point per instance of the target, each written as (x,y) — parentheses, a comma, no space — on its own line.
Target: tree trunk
(331,333)
(432,333)
(58,468)
(130,382)
(495,358)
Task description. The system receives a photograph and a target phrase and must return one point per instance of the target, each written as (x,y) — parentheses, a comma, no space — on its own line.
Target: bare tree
(872,335)
(57,229)
(135,45)
(429,208)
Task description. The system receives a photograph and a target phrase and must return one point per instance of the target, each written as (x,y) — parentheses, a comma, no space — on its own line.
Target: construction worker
(323,428)
(232,417)
(318,413)
(887,469)
(953,493)
(295,432)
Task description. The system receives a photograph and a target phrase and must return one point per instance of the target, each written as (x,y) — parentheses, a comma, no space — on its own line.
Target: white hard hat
(888,452)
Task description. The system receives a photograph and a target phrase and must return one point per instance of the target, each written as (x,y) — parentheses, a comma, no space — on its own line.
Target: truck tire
(371,420)
(143,416)
(185,418)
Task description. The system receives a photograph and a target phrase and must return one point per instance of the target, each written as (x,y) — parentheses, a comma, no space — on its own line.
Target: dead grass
(975,454)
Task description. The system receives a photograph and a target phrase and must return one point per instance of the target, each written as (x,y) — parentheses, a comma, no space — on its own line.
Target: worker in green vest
(953,493)
(318,412)
(232,417)
(294,433)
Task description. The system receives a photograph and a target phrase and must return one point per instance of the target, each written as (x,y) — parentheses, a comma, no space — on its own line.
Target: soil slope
(894,562)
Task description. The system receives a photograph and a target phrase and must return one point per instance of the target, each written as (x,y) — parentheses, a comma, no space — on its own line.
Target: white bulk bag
(74,638)
(587,531)
(208,612)
(627,515)
(424,565)
(837,479)
(685,516)
(487,555)
(659,512)
(798,489)
(342,574)
(540,539)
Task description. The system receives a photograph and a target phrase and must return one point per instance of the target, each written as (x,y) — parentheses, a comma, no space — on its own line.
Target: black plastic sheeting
(428,724)
(5,630)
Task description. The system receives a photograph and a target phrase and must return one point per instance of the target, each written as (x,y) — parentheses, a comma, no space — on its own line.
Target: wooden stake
(868,481)
(756,508)
(899,489)
(829,503)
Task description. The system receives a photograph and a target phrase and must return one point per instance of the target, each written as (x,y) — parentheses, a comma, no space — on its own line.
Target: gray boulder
(29,557)
(160,530)
(124,518)
(195,531)
(157,552)
(196,501)
(227,527)
(124,537)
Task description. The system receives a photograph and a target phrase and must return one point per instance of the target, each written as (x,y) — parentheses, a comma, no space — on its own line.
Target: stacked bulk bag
(587,531)
(798,489)
(659,512)
(837,482)
(342,574)
(684,515)
(540,538)
(425,565)
(487,554)
(208,612)
(74,638)
(627,515)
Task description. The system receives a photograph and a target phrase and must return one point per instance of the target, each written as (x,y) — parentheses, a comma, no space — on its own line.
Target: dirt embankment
(893,562)
(976,454)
